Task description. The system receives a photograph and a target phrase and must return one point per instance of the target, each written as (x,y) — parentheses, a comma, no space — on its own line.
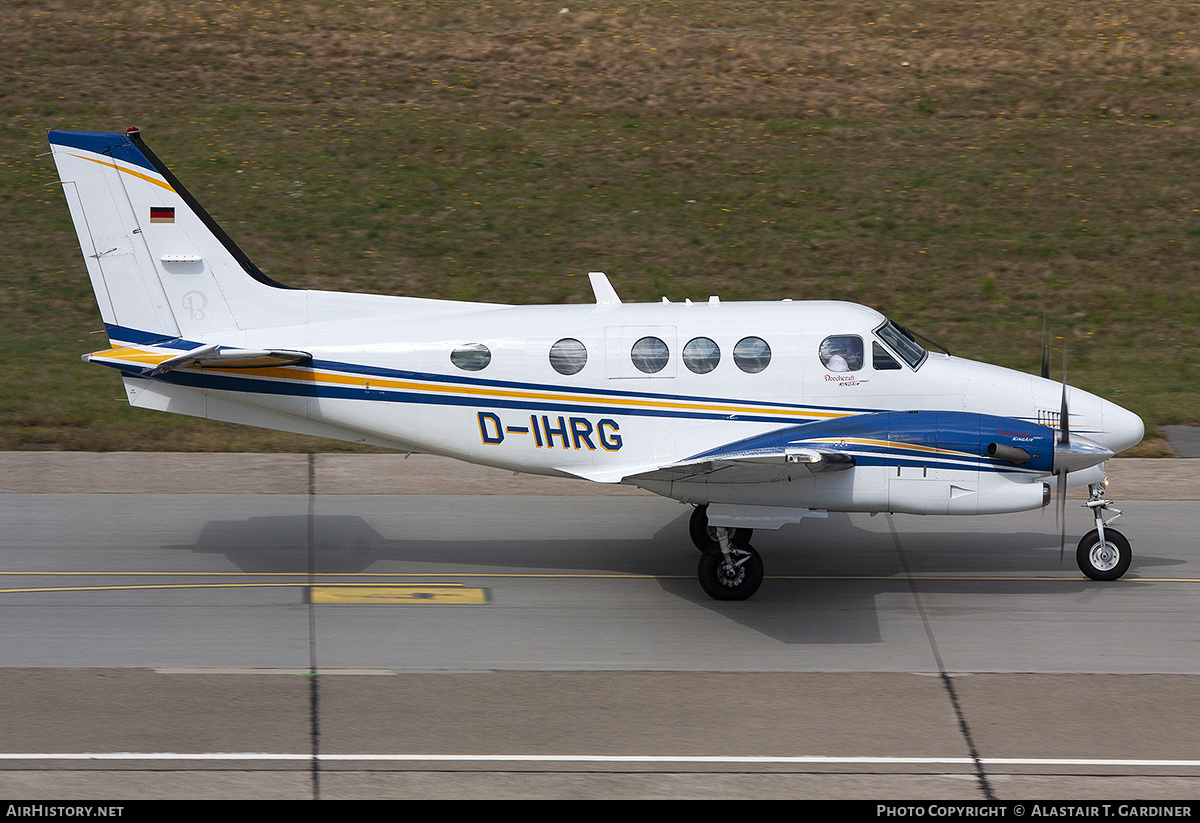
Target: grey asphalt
(1184,440)
(174,625)
(183,473)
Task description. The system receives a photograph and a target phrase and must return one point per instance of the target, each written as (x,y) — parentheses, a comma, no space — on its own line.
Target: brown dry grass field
(965,167)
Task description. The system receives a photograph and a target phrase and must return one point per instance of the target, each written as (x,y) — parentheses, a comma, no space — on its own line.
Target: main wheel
(1106,560)
(702,534)
(737,578)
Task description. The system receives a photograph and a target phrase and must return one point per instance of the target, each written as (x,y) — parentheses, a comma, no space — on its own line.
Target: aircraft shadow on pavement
(818,568)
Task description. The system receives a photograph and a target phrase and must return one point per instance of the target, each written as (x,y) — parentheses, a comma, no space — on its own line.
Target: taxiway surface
(558,645)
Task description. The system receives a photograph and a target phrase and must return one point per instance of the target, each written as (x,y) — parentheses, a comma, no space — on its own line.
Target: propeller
(1064,443)
(1045,349)
(1071,454)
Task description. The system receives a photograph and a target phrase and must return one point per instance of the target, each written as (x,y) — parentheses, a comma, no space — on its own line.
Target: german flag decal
(162,214)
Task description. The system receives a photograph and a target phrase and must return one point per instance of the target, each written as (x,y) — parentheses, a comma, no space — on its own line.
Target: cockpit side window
(842,352)
(881,360)
(910,350)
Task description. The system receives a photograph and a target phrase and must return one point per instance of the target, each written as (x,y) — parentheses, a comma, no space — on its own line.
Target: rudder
(159,263)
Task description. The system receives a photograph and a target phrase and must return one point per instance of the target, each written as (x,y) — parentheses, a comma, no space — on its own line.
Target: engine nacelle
(983,493)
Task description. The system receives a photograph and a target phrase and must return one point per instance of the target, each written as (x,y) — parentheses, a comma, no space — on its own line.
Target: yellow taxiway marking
(454,594)
(341,586)
(339,582)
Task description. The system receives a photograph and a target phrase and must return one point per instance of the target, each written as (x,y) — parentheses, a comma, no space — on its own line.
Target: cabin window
(752,354)
(880,359)
(568,356)
(842,352)
(650,355)
(701,355)
(471,357)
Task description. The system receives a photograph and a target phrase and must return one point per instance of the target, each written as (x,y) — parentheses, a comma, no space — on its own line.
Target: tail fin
(160,265)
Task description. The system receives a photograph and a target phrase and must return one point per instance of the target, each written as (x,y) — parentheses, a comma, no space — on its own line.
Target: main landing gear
(728,571)
(730,568)
(704,535)
(1103,553)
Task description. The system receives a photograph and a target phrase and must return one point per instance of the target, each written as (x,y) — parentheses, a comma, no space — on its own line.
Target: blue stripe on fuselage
(947,439)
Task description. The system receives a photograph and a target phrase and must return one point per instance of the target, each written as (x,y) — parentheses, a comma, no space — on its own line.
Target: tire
(738,580)
(702,534)
(1107,561)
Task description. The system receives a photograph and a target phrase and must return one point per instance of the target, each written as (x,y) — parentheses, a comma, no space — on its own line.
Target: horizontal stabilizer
(148,362)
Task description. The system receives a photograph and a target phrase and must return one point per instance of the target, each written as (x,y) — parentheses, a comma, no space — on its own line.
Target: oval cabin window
(568,356)
(752,354)
(701,355)
(471,357)
(650,355)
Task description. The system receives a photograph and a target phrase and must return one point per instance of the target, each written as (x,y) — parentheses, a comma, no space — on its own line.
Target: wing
(950,440)
(757,466)
(759,459)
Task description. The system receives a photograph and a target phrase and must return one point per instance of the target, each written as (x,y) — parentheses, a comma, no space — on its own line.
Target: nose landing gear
(1103,553)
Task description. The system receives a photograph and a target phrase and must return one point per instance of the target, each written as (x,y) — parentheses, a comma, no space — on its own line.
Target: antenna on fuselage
(606,295)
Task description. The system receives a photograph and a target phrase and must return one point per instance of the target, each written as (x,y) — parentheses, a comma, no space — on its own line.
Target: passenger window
(471,357)
(752,354)
(842,352)
(568,356)
(650,355)
(701,355)
(880,359)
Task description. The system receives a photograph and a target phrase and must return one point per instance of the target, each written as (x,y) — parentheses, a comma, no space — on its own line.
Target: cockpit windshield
(903,343)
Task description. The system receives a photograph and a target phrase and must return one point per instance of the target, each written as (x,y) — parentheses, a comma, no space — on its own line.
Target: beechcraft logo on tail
(162,214)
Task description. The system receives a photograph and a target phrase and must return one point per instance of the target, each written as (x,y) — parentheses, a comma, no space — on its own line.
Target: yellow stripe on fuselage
(312,375)
(862,441)
(301,374)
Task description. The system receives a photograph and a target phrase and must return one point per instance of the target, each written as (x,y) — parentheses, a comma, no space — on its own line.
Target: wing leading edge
(925,439)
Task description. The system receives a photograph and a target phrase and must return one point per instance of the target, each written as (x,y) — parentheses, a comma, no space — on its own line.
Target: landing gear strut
(704,535)
(729,571)
(1103,553)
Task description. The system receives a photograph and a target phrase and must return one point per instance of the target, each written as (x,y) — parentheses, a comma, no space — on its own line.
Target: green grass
(965,169)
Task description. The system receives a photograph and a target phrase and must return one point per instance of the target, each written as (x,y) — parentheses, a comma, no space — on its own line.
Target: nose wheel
(1104,558)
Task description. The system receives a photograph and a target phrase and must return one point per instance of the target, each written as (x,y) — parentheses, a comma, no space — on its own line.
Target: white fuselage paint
(608,420)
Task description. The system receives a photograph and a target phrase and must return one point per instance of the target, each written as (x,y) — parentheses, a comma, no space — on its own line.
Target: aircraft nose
(1122,428)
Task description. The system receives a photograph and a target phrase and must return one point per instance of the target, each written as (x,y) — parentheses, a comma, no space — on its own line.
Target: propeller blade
(1064,427)
(1064,439)
(1045,349)
(1064,424)
(1061,515)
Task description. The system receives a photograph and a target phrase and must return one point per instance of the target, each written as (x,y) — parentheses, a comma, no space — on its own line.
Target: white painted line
(589,758)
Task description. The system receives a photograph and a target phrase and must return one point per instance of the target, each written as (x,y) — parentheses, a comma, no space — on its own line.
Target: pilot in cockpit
(842,353)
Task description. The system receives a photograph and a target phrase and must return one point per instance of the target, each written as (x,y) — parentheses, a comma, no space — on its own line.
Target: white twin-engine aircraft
(757,414)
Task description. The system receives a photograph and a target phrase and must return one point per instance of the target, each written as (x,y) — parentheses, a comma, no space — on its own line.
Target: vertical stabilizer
(160,265)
